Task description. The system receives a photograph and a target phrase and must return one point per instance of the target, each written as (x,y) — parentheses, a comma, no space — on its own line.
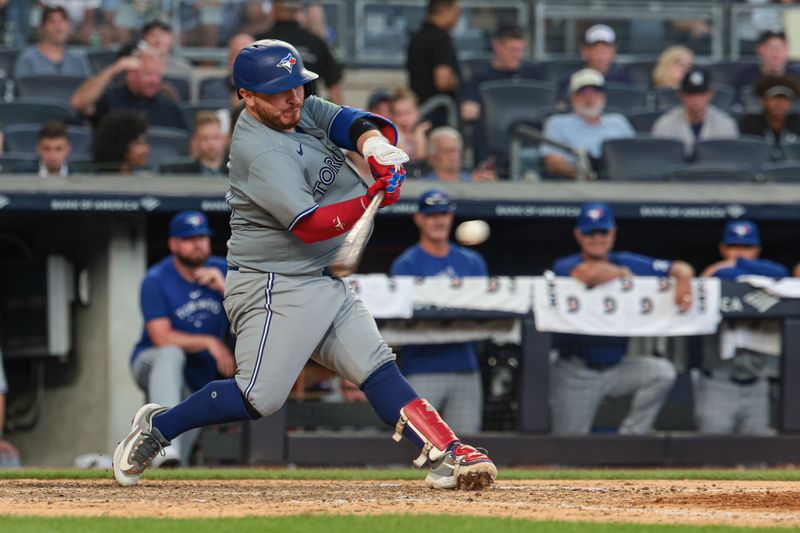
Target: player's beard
(286,119)
(193,260)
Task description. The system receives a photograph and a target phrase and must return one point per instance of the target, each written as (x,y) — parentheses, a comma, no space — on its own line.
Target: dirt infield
(745,503)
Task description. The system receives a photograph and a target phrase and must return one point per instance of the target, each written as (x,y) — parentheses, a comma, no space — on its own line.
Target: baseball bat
(349,254)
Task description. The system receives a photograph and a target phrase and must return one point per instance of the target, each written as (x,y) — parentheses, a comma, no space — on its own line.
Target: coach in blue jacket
(592,367)
(732,395)
(447,375)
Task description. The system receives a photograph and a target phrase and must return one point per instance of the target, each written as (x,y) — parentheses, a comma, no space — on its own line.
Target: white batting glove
(383,152)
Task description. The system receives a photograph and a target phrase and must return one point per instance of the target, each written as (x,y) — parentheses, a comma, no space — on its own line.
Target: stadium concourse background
(110,228)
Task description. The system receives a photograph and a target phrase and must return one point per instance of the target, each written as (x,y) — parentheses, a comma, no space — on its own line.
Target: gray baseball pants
(458,396)
(158,371)
(726,408)
(280,321)
(578,391)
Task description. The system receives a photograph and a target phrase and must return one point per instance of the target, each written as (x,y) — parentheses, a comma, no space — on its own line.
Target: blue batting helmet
(270,66)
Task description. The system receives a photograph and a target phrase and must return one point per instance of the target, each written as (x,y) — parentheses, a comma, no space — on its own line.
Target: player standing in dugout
(294,196)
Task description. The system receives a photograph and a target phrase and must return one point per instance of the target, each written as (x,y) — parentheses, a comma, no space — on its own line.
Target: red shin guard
(424,420)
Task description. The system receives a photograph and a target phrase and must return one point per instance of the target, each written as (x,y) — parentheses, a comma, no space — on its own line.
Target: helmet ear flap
(270,66)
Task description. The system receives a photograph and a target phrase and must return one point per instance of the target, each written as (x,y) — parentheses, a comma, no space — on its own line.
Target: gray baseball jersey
(281,308)
(276,178)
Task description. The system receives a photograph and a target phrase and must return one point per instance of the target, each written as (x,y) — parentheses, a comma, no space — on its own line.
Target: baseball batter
(293,198)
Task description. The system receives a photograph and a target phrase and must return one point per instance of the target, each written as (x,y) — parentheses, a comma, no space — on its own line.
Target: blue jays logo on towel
(287,62)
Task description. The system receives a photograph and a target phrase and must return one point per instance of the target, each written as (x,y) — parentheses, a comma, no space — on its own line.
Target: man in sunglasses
(593,367)
(447,375)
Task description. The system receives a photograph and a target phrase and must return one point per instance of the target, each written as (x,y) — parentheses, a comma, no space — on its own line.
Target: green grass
(341,524)
(508,474)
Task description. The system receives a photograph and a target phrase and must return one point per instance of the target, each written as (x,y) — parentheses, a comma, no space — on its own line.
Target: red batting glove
(389,184)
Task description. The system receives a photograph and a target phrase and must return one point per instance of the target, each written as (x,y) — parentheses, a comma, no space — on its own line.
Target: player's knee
(266,406)
(664,372)
(170,355)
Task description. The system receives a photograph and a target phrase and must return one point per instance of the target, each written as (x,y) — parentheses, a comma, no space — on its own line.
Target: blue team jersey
(601,351)
(455,357)
(190,307)
(752,267)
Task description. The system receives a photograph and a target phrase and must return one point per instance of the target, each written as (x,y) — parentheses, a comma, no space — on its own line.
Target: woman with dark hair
(119,143)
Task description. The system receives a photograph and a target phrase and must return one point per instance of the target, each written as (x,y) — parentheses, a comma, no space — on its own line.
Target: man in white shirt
(695,119)
(586,128)
(53,148)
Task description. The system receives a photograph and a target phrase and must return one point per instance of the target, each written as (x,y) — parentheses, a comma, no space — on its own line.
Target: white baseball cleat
(462,467)
(135,452)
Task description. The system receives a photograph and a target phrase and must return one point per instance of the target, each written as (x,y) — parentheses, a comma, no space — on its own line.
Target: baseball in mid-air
(472,232)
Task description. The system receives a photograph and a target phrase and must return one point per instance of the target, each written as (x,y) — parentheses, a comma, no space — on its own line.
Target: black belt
(589,364)
(732,379)
(325,271)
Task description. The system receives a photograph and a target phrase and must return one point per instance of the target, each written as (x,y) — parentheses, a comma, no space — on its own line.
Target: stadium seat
(217,89)
(191,110)
(782,171)
(792,151)
(174,165)
(506,103)
(12,162)
(713,171)
(726,71)
(23,138)
(751,151)
(641,72)
(181,85)
(640,158)
(622,97)
(642,120)
(33,110)
(166,143)
(724,97)
(100,59)
(56,87)
(8,56)
(556,70)
(751,102)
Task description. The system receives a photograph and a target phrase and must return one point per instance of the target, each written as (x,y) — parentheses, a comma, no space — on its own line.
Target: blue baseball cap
(189,224)
(435,201)
(741,233)
(594,216)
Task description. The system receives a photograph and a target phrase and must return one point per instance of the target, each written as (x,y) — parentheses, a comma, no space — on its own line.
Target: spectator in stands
(599,51)
(9,455)
(183,344)
(431,59)
(53,148)
(82,13)
(585,128)
(508,48)
(124,18)
(773,55)
(380,103)
(140,90)
(119,143)
(447,375)
(411,133)
(673,64)
(315,51)
(201,22)
(695,119)
(50,55)
(208,146)
(732,393)
(158,35)
(591,367)
(445,147)
(222,88)
(775,123)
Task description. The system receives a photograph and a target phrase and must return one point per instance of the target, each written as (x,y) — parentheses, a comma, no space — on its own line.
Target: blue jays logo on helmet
(595,213)
(287,62)
(194,220)
(742,230)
